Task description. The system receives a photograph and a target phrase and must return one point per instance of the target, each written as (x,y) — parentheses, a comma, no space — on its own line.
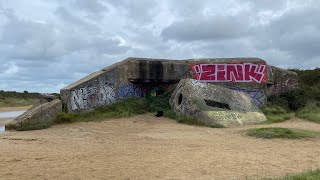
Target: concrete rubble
(41,114)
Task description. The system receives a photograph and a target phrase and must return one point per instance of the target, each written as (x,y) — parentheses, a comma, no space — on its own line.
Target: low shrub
(160,102)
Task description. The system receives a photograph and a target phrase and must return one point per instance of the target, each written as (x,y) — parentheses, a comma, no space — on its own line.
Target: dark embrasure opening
(217,104)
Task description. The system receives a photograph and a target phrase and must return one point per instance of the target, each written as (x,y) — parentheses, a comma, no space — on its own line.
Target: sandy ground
(145,147)
(4,121)
(8,109)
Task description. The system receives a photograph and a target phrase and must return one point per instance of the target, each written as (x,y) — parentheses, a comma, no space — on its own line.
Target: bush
(307,92)
(160,102)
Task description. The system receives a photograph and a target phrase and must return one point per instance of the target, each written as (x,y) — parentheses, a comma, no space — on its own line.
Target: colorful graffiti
(257,95)
(89,97)
(129,90)
(244,72)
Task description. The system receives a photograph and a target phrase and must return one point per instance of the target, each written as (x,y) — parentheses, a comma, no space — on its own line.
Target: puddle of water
(11,114)
(2,129)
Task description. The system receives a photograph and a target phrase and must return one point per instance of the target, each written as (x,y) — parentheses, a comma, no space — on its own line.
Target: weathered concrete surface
(280,80)
(101,88)
(47,98)
(41,114)
(134,77)
(214,105)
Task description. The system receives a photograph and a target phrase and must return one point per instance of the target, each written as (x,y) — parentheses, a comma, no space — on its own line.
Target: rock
(214,105)
(37,116)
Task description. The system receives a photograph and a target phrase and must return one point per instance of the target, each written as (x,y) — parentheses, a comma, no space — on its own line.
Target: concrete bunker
(214,105)
(137,77)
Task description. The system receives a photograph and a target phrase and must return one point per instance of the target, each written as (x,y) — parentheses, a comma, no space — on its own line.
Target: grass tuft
(308,175)
(286,133)
(275,114)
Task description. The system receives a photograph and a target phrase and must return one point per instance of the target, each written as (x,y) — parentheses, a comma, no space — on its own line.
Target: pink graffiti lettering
(246,72)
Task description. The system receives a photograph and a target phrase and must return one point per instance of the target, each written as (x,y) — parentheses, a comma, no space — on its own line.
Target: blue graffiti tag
(128,90)
(257,95)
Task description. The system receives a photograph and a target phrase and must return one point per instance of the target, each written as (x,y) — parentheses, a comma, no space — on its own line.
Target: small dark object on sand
(159,113)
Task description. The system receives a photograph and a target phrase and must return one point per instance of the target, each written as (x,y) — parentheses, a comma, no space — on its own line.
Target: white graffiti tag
(80,98)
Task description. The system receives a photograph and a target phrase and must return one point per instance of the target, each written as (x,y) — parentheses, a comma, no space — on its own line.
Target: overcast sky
(48,44)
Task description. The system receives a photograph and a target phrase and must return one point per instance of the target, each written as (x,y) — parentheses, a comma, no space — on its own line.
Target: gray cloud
(296,32)
(207,28)
(92,6)
(47,45)
(141,11)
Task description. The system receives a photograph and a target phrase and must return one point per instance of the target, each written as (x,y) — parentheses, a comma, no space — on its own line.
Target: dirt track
(144,147)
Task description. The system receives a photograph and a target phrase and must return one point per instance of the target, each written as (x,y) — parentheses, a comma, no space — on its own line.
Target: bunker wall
(247,75)
(136,77)
(280,81)
(101,88)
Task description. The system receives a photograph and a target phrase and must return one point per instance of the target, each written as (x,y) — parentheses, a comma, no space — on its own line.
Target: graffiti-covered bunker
(136,77)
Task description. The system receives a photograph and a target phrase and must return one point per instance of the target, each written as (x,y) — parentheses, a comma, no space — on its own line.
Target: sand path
(145,147)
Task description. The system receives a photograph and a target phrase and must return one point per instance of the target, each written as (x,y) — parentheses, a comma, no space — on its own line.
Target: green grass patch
(160,102)
(188,120)
(286,133)
(275,114)
(120,109)
(308,175)
(28,126)
(14,99)
(310,112)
